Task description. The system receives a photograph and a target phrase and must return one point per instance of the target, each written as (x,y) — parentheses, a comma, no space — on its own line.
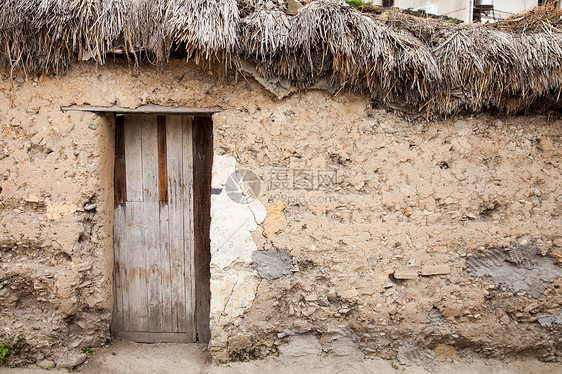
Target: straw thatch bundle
(398,59)
(264,35)
(46,35)
(209,27)
(329,40)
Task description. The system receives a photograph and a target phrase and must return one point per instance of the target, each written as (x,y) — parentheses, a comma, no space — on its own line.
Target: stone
(405,274)
(272,263)
(293,7)
(435,317)
(89,207)
(301,345)
(311,297)
(92,127)
(269,5)
(71,359)
(548,319)
(348,294)
(445,351)
(530,307)
(46,364)
(452,311)
(285,333)
(435,270)
(32,199)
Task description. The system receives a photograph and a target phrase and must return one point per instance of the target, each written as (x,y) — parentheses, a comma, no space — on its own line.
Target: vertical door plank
(120,269)
(162,167)
(175,216)
(151,222)
(136,314)
(133,159)
(187,195)
(137,274)
(164,245)
(165,269)
(120,180)
(202,165)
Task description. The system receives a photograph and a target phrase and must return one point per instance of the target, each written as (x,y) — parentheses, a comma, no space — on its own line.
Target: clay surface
(355,196)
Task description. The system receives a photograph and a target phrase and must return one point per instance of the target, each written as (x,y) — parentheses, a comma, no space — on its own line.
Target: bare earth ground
(132,358)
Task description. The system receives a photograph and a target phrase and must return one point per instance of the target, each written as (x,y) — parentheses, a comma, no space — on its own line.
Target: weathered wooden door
(154,242)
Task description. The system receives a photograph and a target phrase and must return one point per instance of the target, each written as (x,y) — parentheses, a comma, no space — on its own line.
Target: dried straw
(398,59)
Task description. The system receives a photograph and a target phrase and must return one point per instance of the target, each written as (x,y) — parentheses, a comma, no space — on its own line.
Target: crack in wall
(224,314)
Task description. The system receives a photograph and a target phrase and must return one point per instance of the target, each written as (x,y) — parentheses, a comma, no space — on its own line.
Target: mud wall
(369,235)
(444,232)
(55,243)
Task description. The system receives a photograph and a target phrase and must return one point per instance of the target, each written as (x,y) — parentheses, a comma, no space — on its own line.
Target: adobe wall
(443,232)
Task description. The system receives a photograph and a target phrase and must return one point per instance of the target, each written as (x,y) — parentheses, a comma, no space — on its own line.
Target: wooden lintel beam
(147,109)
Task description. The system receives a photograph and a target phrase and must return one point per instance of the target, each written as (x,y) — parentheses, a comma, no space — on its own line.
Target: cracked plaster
(233,282)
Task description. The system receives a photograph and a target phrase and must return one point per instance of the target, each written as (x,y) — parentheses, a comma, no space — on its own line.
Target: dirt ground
(132,358)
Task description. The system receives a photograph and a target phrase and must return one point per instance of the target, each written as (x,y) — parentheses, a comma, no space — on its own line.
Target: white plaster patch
(232,293)
(233,282)
(231,223)
(223,166)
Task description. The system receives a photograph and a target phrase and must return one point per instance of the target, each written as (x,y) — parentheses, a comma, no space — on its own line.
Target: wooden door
(154,277)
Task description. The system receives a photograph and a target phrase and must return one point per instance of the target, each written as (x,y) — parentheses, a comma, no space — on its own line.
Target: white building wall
(460,9)
(452,8)
(514,6)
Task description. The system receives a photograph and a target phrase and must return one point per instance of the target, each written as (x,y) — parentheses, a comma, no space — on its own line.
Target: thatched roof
(398,59)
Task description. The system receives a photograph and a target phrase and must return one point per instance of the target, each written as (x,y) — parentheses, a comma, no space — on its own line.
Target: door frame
(202,173)
(202,139)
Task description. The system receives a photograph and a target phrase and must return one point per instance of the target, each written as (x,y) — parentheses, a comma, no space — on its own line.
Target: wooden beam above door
(145,109)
